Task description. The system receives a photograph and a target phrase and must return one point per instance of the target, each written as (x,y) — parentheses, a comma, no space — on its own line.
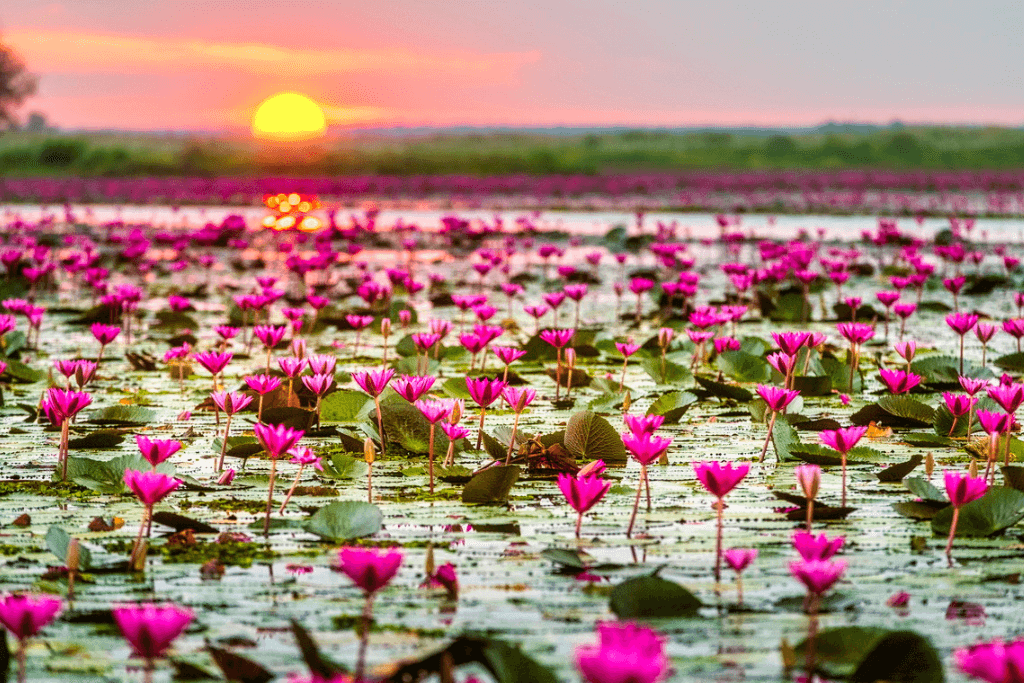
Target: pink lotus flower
(508,354)
(368,568)
(582,493)
(818,576)
(277,439)
(231,402)
(856,333)
(811,547)
(373,382)
(993,662)
(214,361)
(150,629)
(740,558)
(843,439)
(150,487)
(262,384)
(434,411)
(777,398)
(963,489)
(719,479)
(413,387)
(899,381)
(625,653)
(156,451)
(104,334)
(66,402)
(1009,397)
(645,447)
(643,424)
(790,342)
(26,615)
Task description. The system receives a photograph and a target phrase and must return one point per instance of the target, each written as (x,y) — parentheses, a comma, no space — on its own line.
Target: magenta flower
(26,615)
(291,367)
(625,653)
(67,402)
(104,334)
(270,335)
(262,384)
(155,451)
(373,382)
(508,354)
(994,422)
(582,493)
(899,381)
(277,439)
(1008,396)
(318,384)
(425,341)
(150,629)
(150,487)
(485,392)
(777,398)
(809,478)
(643,424)
(518,398)
(790,342)
(993,662)
(231,402)
(818,576)
(412,387)
(646,447)
(961,323)
(856,333)
(368,568)
(321,363)
(740,558)
(557,338)
(213,361)
(844,439)
(963,489)
(720,479)
(434,411)
(783,363)
(811,547)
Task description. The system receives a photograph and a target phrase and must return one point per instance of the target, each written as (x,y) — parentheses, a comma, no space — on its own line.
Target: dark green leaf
(916,509)
(809,385)
(898,471)
(316,662)
(101,438)
(238,669)
(649,596)
(405,425)
(343,520)
(1012,362)
(589,436)
(869,654)
(674,375)
(999,509)
(563,557)
(19,372)
(346,406)
(491,486)
(744,367)
(925,490)
(721,390)
(784,440)
(58,541)
(343,466)
(124,415)
(508,664)
(289,416)
(672,405)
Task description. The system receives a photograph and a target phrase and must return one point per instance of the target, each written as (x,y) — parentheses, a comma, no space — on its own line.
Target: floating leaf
(672,405)
(564,557)
(915,509)
(295,418)
(900,470)
(455,387)
(942,371)
(674,374)
(508,664)
(19,372)
(346,406)
(722,390)
(907,408)
(107,476)
(925,490)
(784,440)
(809,385)
(1012,362)
(1014,475)
(344,520)
(590,436)
(648,596)
(99,439)
(492,485)
(174,320)
(238,669)
(867,654)
(999,509)
(343,466)
(124,415)
(58,541)
(926,440)
(405,425)
(744,367)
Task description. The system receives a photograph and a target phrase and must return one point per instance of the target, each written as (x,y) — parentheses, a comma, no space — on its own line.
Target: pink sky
(201,64)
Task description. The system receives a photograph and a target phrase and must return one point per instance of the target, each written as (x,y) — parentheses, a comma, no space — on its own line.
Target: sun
(288,116)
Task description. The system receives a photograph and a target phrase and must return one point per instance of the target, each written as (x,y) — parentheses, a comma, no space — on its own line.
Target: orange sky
(206,64)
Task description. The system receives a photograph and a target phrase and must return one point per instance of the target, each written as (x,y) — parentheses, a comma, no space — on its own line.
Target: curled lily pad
(644,597)
(345,520)
(492,485)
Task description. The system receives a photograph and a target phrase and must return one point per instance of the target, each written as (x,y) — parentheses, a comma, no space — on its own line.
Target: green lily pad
(672,405)
(58,541)
(674,374)
(124,415)
(744,367)
(866,654)
(22,374)
(343,466)
(99,439)
(925,490)
(491,486)
(342,520)
(900,470)
(651,596)
(346,406)
(405,425)
(589,436)
(722,390)
(999,509)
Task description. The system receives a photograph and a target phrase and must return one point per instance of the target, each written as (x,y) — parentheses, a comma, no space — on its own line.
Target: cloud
(69,51)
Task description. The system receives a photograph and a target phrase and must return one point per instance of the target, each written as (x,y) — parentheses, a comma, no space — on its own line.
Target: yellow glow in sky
(288,116)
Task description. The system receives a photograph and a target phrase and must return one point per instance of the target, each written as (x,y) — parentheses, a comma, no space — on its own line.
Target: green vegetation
(481,153)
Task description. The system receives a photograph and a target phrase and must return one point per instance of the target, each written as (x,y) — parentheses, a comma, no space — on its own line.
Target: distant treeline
(509,152)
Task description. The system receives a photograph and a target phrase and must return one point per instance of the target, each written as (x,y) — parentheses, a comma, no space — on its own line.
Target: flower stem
(291,490)
(636,502)
(480,432)
(512,440)
(270,496)
(224,446)
(380,424)
(430,456)
(952,534)
(768,437)
(844,480)
(718,541)
(364,637)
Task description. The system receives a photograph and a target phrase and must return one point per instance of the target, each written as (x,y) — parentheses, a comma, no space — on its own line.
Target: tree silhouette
(16,83)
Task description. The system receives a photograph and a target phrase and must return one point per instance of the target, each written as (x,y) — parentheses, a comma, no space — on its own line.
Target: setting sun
(288,116)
